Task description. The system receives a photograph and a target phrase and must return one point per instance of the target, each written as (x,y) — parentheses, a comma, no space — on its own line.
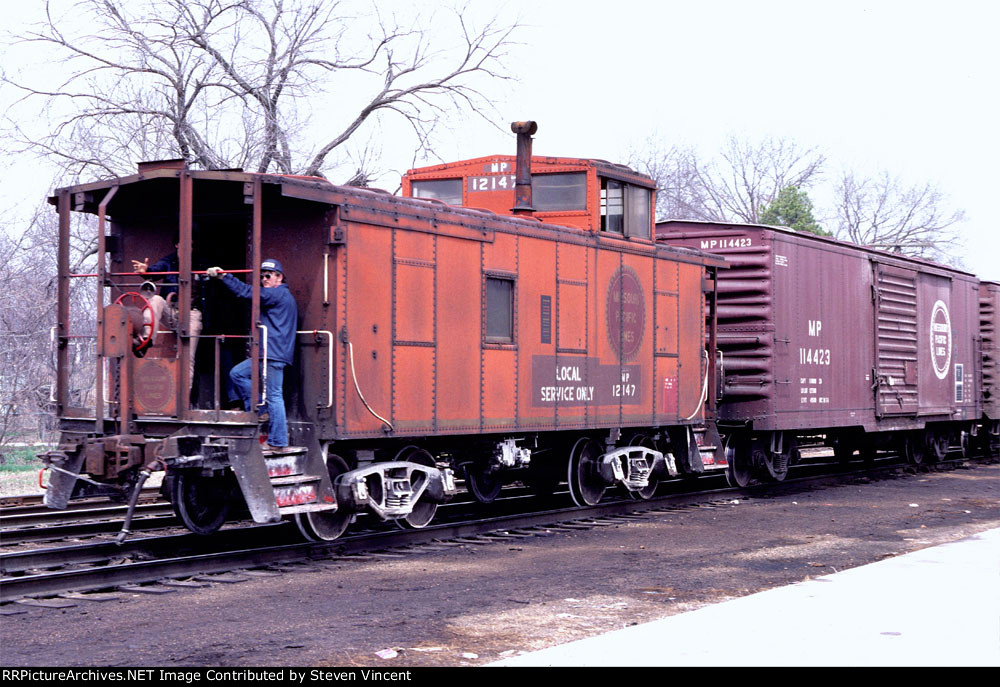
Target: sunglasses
(266,275)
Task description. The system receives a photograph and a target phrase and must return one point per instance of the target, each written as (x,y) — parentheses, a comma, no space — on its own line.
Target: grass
(21,458)
(19,470)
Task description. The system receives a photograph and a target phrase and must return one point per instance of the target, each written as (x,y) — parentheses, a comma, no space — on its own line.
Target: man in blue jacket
(279,314)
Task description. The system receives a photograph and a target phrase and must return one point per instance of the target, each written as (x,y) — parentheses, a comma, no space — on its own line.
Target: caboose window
(499,310)
(612,206)
(559,191)
(446,190)
(637,211)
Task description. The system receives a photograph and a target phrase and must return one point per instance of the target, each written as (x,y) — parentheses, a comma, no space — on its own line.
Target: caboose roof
(154,191)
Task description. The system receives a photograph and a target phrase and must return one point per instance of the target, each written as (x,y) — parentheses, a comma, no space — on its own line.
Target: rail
(152,274)
(99,565)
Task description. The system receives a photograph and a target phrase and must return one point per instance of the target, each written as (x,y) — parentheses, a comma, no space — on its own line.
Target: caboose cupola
(593,195)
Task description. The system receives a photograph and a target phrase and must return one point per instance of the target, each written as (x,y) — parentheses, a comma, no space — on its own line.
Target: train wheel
(914,448)
(326,525)
(647,493)
(202,503)
(585,484)
(423,510)
(938,445)
(777,463)
(484,484)
(740,470)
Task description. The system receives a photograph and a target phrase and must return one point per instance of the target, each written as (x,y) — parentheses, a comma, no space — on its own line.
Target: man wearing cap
(279,314)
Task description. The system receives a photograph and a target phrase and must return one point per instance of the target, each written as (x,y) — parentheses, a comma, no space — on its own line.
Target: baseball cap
(272,265)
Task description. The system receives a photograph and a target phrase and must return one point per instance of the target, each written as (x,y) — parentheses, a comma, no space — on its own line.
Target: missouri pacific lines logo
(626,314)
(940,339)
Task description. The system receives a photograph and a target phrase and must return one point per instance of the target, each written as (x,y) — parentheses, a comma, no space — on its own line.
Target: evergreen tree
(792,208)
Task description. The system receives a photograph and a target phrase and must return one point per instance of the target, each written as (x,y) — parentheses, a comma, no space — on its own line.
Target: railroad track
(160,563)
(29,523)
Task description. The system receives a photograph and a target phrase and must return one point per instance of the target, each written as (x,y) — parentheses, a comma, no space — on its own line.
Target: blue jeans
(240,376)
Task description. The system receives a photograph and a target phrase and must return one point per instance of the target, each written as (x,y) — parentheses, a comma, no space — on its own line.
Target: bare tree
(26,309)
(885,213)
(679,193)
(232,83)
(749,176)
(736,186)
(27,312)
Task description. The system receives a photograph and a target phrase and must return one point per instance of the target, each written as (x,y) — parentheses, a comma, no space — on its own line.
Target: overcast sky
(909,87)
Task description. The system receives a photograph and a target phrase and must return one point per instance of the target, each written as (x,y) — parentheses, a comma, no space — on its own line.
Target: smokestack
(522,182)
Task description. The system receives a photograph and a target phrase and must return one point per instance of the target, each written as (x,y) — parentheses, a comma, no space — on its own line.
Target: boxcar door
(896,374)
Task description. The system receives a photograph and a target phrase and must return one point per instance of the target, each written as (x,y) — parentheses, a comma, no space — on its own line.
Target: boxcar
(819,337)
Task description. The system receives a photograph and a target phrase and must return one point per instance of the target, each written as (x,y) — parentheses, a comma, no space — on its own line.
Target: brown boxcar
(432,340)
(823,337)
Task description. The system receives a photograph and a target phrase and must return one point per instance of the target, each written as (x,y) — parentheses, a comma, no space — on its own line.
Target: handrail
(52,347)
(263,368)
(154,274)
(329,376)
(704,388)
(350,352)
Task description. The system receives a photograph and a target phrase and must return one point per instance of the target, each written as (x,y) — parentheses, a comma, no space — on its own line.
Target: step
(306,508)
(286,451)
(289,480)
(297,490)
(283,465)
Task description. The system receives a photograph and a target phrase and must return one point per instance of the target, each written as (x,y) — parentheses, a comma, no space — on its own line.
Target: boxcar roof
(798,235)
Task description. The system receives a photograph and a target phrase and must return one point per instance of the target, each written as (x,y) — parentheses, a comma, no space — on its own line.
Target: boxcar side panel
(821,357)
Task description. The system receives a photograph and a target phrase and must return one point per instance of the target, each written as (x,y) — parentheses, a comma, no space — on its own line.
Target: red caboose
(433,340)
